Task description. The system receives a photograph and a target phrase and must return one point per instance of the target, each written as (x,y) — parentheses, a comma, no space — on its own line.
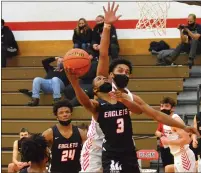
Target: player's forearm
(14,160)
(103,63)
(180,141)
(105,41)
(134,108)
(161,117)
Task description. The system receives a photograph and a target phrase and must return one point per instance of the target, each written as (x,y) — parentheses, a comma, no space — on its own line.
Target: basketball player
(120,70)
(18,165)
(65,140)
(178,141)
(34,150)
(197,141)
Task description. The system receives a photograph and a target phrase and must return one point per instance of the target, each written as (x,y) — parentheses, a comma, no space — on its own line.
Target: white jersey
(95,132)
(171,135)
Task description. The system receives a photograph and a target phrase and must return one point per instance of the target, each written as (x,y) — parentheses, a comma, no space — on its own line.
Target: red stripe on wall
(70,25)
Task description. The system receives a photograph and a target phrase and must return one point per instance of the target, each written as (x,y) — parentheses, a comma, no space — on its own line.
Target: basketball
(78,60)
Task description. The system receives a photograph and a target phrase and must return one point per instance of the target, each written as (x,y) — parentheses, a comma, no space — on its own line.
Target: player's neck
(35,167)
(106,97)
(61,127)
(171,114)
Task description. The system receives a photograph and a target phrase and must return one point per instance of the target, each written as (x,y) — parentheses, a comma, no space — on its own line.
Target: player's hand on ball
(110,13)
(71,74)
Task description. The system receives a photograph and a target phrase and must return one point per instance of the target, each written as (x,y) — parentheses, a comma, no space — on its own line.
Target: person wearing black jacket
(9,47)
(82,35)
(54,82)
(96,37)
(190,41)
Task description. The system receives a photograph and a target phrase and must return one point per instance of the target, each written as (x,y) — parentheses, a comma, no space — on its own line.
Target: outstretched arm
(163,118)
(110,17)
(80,94)
(156,115)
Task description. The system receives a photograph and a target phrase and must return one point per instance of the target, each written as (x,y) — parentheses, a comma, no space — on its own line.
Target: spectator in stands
(16,165)
(190,40)
(97,32)
(54,82)
(82,35)
(35,150)
(9,47)
(85,83)
(167,107)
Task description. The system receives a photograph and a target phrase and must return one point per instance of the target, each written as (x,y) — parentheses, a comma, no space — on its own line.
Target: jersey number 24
(67,154)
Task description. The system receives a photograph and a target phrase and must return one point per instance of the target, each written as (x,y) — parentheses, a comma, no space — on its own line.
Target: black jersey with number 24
(115,122)
(66,152)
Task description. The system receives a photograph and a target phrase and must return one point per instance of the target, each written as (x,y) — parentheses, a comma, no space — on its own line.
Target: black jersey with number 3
(115,122)
(66,152)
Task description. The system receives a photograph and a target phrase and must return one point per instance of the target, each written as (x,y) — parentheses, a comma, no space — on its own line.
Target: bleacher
(150,82)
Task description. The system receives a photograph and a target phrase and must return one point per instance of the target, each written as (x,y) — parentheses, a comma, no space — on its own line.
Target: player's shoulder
(177,118)
(48,133)
(95,102)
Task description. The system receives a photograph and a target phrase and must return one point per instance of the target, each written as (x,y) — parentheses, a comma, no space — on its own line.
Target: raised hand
(71,74)
(110,13)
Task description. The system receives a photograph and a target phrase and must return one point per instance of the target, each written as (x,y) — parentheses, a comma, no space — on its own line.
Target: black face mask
(191,25)
(65,123)
(121,80)
(105,88)
(100,27)
(81,27)
(166,111)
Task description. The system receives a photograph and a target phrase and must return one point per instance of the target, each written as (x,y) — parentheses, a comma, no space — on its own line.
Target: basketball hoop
(153,15)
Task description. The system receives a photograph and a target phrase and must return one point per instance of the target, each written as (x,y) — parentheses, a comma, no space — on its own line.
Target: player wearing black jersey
(112,112)
(65,140)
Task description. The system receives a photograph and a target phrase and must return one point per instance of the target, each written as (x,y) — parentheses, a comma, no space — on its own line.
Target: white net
(153,15)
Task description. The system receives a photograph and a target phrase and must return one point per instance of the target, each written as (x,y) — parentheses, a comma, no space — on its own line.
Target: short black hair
(168,100)
(62,103)
(34,148)
(2,22)
(118,61)
(24,130)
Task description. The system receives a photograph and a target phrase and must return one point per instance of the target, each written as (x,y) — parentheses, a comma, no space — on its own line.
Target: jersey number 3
(120,125)
(67,154)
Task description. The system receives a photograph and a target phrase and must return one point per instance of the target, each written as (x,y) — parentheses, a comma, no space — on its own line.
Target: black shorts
(166,156)
(114,162)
